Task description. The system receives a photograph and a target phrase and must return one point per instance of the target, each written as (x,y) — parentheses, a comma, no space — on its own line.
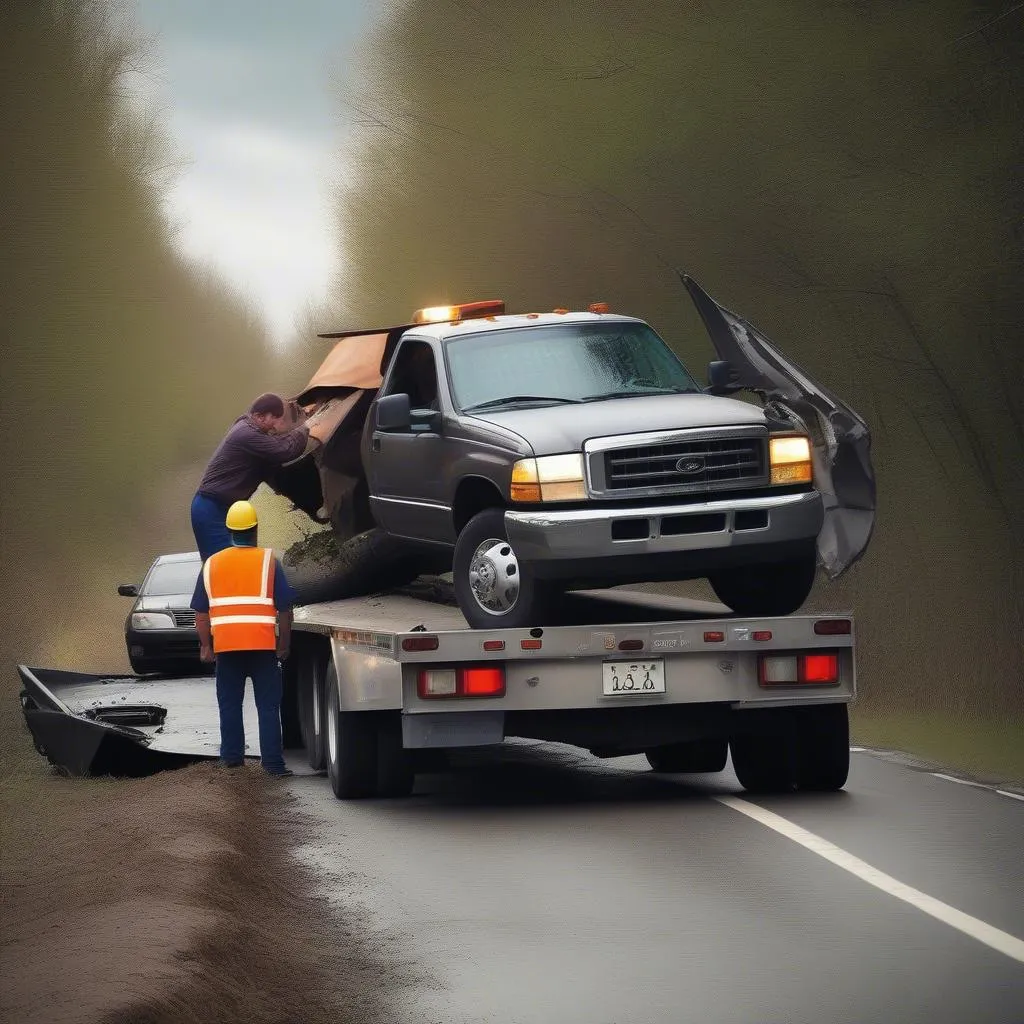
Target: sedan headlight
(550,478)
(790,457)
(152,620)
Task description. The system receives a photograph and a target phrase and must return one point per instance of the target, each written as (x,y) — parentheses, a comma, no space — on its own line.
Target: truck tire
(694,756)
(395,774)
(823,748)
(351,746)
(323,570)
(777,588)
(312,705)
(493,588)
(764,763)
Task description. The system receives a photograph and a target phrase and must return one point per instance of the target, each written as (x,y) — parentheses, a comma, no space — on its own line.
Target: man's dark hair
(267,403)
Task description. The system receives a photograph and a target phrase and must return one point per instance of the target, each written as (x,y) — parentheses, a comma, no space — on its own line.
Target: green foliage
(122,363)
(847,176)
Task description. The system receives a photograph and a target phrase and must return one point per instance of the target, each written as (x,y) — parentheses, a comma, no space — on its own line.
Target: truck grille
(686,464)
(184,619)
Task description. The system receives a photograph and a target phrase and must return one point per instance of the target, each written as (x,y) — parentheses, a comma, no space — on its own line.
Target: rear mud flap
(843,472)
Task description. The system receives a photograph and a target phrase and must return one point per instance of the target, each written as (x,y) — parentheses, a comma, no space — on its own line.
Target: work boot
(282,774)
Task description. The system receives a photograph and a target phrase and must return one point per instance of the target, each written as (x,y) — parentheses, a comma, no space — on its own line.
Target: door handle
(375,444)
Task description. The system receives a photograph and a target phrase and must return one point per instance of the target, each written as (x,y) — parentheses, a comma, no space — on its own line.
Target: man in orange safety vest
(243,606)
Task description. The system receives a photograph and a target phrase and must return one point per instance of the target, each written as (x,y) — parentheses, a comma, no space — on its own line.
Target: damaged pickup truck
(531,454)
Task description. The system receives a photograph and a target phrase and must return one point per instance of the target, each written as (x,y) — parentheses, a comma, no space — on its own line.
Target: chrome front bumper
(660,529)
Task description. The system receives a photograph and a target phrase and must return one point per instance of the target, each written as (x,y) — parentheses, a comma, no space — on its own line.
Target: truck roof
(477,325)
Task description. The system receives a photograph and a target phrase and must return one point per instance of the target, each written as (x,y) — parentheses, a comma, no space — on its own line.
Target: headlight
(152,620)
(790,458)
(551,478)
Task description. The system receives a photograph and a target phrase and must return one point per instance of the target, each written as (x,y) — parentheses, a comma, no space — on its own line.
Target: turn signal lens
(790,458)
(819,668)
(551,478)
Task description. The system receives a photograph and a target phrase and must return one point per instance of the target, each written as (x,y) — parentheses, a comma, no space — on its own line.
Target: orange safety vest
(240,585)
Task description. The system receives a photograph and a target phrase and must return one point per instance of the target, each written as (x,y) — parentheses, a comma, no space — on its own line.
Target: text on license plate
(626,678)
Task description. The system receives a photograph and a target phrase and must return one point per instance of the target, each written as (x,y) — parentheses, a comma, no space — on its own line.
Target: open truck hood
(842,442)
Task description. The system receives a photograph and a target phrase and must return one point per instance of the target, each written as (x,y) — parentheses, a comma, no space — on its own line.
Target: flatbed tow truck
(377,687)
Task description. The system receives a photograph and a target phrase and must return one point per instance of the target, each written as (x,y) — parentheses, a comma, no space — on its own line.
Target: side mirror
(128,590)
(721,378)
(393,413)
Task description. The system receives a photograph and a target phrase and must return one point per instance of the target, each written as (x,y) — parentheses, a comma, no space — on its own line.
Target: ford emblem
(690,466)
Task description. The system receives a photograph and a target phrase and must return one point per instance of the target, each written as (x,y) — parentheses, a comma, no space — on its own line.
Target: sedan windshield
(169,578)
(562,363)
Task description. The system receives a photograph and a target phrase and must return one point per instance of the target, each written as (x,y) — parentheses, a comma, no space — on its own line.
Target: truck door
(405,467)
(842,442)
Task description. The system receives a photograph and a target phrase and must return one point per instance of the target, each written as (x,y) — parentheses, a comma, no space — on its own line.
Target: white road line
(857,750)
(986,933)
(959,782)
(1013,796)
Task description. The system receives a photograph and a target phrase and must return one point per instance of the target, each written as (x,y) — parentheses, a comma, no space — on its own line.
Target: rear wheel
(494,589)
(765,762)
(823,747)
(777,588)
(312,671)
(694,756)
(351,746)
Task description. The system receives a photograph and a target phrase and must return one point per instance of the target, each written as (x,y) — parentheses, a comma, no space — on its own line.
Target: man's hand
(206,654)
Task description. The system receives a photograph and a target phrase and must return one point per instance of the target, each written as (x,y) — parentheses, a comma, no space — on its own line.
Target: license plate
(633,678)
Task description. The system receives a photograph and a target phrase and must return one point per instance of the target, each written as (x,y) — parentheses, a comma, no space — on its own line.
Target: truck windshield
(562,363)
(169,578)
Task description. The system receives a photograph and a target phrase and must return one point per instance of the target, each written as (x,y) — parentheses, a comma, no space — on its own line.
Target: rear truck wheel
(351,746)
(765,762)
(822,747)
(395,773)
(312,705)
(493,588)
(777,588)
(694,756)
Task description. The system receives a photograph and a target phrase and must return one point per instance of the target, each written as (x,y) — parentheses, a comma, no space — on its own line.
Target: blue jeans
(209,526)
(233,668)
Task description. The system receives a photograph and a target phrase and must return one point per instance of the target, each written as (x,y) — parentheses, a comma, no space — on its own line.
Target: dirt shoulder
(166,899)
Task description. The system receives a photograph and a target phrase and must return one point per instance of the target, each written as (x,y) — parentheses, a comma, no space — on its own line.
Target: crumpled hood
(551,430)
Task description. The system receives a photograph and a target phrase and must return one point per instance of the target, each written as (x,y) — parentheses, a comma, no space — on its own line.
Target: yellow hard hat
(241,516)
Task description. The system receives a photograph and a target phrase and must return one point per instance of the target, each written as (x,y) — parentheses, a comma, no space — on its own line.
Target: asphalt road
(535,883)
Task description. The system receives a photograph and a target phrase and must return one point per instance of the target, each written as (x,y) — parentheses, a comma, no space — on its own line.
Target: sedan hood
(551,430)
(843,472)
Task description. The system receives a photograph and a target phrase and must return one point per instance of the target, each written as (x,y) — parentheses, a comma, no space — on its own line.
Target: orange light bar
(463,311)
(598,307)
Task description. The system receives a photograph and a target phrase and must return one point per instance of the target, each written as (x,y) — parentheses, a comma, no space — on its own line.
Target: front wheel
(777,588)
(494,589)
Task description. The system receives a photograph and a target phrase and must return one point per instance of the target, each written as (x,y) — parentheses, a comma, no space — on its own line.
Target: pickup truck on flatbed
(539,453)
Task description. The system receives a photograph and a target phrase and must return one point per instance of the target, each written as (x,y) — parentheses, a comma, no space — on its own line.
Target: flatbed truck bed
(377,688)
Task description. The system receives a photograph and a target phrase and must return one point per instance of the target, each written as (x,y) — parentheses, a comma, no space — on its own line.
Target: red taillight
(472,681)
(819,668)
(419,643)
(494,645)
(714,637)
(482,682)
(797,669)
(631,645)
(761,634)
(833,627)
(531,645)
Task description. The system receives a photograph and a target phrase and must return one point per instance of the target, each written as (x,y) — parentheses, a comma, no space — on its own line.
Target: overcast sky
(245,90)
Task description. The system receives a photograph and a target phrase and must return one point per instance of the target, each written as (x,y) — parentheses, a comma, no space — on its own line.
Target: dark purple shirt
(245,458)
